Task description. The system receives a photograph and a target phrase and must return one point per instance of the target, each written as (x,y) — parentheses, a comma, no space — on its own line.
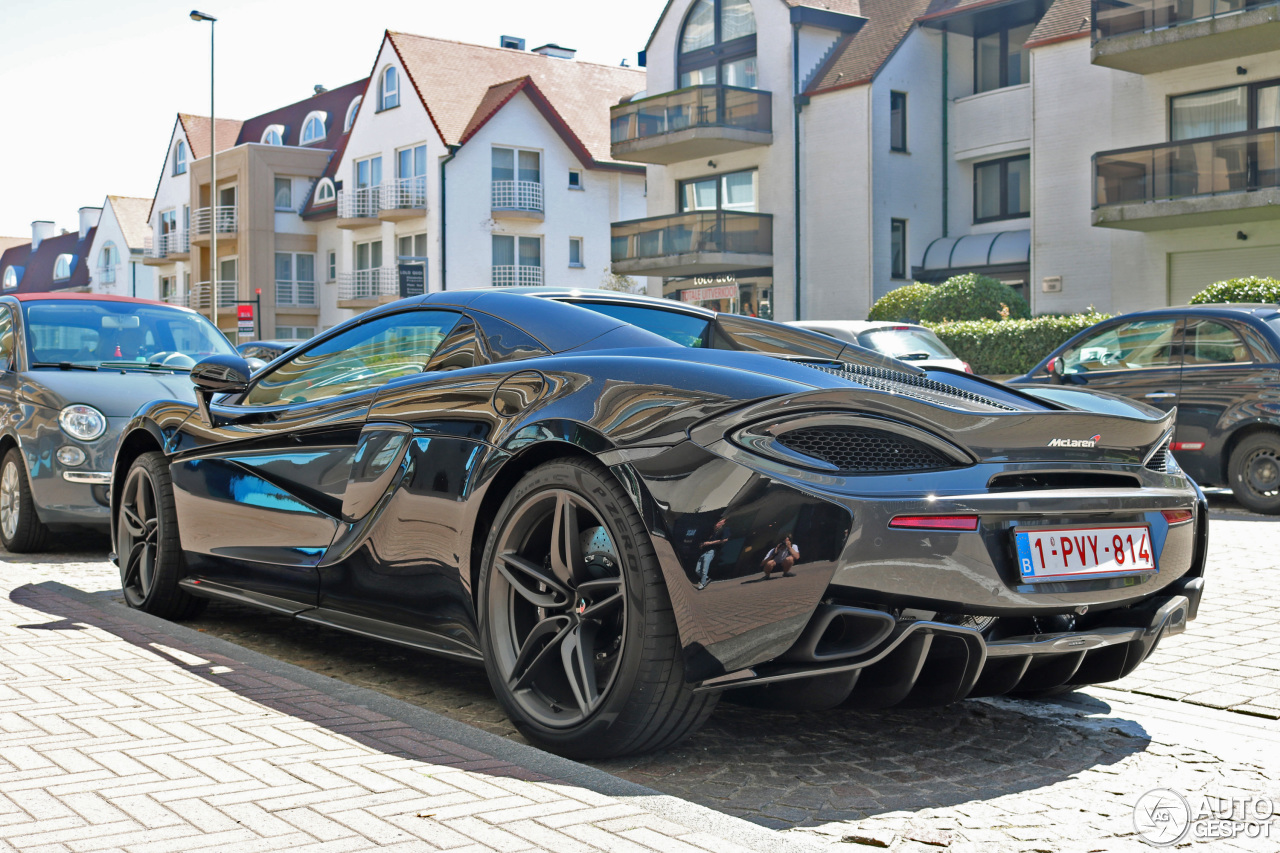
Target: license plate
(1057,553)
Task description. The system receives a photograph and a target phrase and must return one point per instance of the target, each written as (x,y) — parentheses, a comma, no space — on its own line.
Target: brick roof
(37,267)
(858,56)
(453,79)
(131,213)
(1065,19)
(197,131)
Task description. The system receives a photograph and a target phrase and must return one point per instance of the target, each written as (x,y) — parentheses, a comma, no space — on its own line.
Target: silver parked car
(75,369)
(903,341)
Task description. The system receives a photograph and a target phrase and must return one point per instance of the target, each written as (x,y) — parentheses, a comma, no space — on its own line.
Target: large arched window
(389,88)
(62,266)
(108,256)
(313,127)
(10,278)
(180,158)
(273,135)
(351,113)
(718,45)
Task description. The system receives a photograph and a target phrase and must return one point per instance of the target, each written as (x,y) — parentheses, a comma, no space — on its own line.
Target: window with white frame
(294,333)
(273,135)
(168,288)
(324,192)
(332,266)
(62,266)
(295,279)
(388,88)
(313,128)
(368,172)
(411,248)
(575,252)
(180,158)
(107,260)
(284,194)
(352,112)
(10,277)
(368,255)
(575,179)
(517,261)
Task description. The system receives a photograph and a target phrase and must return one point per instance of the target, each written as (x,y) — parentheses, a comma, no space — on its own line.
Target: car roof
(94,297)
(854,326)
(638,299)
(1216,308)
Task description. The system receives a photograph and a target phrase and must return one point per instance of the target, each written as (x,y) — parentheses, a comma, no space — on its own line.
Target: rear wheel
(1254,471)
(150,556)
(577,630)
(21,530)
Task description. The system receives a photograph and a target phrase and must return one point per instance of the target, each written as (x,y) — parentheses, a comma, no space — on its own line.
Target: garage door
(1192,272)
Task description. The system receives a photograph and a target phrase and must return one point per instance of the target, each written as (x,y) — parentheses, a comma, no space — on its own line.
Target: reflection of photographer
(719,536)
(781,557)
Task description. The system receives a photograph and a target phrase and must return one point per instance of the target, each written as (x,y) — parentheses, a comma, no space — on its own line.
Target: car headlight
(83,422)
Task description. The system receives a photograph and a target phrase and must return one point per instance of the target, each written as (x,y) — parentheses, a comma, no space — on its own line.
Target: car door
(1219,372)
(259,498)
(1135,358)
(8,367)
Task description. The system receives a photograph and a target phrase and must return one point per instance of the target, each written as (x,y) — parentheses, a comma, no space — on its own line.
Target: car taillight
(1187,445)
(1177,516)
(967,368)
(935,522)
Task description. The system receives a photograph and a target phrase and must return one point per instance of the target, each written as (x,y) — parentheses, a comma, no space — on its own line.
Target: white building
(116,255)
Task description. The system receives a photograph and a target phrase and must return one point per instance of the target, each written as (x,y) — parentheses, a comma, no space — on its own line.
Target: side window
(1127,346)
(6,339)
(1211,342)
(366,356)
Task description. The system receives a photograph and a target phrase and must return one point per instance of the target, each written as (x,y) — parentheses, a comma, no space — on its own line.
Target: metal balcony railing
(404,194)
(511,275)
(205,218)
(694,232)
(295,294)
(1232,162)
(695,106)
(1123,17)
(107,275)
(228,295)
(359,203)
(162,245)
(517,195)
(177,299)
(369,284)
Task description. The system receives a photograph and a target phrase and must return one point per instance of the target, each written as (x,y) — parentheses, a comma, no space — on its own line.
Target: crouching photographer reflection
(780,558)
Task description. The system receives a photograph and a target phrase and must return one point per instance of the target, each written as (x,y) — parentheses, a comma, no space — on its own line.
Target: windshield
(684,329)
(906,344)
(90,333)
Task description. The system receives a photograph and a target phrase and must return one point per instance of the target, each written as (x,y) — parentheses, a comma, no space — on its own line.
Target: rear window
(683,329)
(906,344)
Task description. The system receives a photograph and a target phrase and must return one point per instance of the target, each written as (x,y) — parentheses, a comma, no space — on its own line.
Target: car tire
(576,626)
(150,555)
(1254,472)
(21,530)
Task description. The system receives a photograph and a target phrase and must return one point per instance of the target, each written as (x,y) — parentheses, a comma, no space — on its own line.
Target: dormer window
(313,127)
(62,266)
(718,45)
(324,192)
(351,113)
(273,135)
(389,88)
(180,158)
(10,278)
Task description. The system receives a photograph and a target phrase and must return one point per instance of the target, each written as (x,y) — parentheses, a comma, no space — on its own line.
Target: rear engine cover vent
(1035,481)
(860,450)
(910,385)
(1158,460)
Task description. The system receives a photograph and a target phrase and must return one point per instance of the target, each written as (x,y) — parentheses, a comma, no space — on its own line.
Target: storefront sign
(706,294)
(244,318)
(704,280)
(413,280)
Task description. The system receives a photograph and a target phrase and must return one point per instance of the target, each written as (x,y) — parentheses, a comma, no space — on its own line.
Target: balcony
(517,200)
(695,243)
(1146,36)
(405,198)
(205,219)
(1217,180)
(183,299)
(511,275)
(296,295)
(107,274)
(690,124)
(359,208)
(199,296)
(365,289)
(167,248)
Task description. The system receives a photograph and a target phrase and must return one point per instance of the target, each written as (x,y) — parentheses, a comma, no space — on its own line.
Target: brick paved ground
(981,775)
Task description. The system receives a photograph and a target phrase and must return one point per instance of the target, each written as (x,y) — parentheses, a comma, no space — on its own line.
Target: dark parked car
(75,369)
(1219,365)
(621,524)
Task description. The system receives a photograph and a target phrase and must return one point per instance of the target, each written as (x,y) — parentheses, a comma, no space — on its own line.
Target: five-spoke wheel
(147,542)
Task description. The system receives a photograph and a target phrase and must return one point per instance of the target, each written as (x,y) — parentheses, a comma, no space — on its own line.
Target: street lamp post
(213,172)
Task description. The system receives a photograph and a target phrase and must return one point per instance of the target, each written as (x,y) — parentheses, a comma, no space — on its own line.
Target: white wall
(133,277)
(172,192)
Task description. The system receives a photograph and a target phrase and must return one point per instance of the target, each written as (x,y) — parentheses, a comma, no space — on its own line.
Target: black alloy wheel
(1254,472)
(147,544)
(577,630)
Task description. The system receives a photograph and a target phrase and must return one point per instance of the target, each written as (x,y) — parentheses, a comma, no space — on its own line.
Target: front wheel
(576,626)
(21,530)
(150,556)
(1254,471)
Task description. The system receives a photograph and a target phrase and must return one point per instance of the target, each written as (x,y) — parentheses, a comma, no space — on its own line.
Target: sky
(89,89)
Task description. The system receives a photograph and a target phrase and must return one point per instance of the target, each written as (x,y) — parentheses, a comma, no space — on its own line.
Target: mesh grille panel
(861,450)
(920,387)
(1158,459)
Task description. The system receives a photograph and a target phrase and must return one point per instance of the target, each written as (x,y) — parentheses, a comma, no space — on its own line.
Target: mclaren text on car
(624,507)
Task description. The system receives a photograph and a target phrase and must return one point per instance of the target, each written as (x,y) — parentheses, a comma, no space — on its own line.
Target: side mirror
(1057,368)
(218,374)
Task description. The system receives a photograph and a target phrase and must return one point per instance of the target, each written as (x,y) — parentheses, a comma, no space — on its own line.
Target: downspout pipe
(444,219)
(946,173)
(795,151)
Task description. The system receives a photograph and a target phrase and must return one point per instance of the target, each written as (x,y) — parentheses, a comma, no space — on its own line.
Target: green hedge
(1250,289)
(973,297)
(1010,346)
(902,304)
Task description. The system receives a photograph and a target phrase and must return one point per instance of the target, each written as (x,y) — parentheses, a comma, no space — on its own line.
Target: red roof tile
(197,131)
(1065,19)
(859,56)
(37,267)
(333,103)
(131,213)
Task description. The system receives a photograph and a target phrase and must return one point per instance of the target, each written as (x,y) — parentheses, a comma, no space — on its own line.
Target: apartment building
(807,156)
(53,259)
(118,251)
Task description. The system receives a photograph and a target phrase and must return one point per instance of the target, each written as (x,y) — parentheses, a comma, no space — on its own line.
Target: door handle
(1162,395)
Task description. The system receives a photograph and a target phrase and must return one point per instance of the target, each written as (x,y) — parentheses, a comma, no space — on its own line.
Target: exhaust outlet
(838,631)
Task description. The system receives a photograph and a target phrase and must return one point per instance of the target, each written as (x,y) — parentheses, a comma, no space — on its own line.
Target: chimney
(556,51)
(40,229)
(511,42)
(89,217)
(319,89)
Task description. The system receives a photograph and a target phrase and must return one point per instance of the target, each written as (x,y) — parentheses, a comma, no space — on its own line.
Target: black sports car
(623,508)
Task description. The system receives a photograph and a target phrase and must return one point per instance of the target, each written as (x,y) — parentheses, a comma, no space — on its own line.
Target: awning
(985,253)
